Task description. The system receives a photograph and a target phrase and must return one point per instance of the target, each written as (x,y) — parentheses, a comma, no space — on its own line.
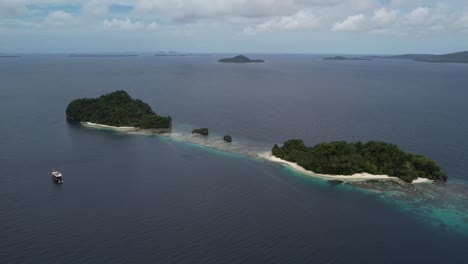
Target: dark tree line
(342,158)
(202,131)
(116,109)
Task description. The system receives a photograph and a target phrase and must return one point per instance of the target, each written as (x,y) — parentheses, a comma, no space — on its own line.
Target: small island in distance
(116,109)
(239,59)
(342,158)
(341,58)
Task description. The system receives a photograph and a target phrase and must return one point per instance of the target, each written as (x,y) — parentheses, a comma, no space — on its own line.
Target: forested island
(116,109)
(342,158)
(239,59)
(341,58)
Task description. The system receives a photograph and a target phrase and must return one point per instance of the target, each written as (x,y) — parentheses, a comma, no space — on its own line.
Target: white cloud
(152,26)
(128,25)
(463,22)
(193,10)
(384,16)
(352,23)
(300,21)
(58,18)
(418,16)
(396,17)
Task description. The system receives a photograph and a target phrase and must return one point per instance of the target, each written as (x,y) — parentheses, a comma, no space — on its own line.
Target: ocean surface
(179,198)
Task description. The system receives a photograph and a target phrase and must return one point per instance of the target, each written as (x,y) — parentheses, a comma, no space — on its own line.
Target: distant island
(457,57)
(10,56)
(103,55)
(239,59)
(342,158)
(341,58)
(116,109)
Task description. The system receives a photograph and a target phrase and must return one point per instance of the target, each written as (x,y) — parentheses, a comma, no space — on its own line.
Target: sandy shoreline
(267,156)
(123,129)
(94,125)
(354,177)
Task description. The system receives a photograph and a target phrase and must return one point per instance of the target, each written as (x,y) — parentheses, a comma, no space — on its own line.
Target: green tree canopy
(116,109)
(342,158)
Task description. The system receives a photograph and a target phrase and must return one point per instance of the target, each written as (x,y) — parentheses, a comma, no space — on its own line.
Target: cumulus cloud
(193,10)
(419,21)
(418,16)
(399,17)
(384,16)
(300,21)
(128,25)
(352,23)
(58,18)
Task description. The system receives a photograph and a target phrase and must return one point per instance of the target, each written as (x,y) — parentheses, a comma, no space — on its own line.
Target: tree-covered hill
(239,59)
(116,109)
(342,158)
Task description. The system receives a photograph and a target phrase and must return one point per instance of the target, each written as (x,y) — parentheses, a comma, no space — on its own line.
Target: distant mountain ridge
(339,58)
(457,57)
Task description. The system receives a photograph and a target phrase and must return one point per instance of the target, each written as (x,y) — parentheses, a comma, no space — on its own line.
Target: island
(341,58)
(116,109)
(343,158)
(201,131)
(227,138)
(105,55)
(239,59)
(457,57)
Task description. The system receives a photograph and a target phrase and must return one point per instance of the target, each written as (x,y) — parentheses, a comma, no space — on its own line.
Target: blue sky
(231,26)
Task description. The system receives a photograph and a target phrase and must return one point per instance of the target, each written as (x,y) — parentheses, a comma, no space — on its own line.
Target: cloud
(384,16)
(397,17)
(58,18)
(11,8)
(417,21)
(152,26)
(418,16)
(128,25)
(300,21)
(463,22)
(352,23)
(95,7)
(194,10)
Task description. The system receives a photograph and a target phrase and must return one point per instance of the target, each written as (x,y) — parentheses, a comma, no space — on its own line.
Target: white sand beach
(354,177)
(121,129)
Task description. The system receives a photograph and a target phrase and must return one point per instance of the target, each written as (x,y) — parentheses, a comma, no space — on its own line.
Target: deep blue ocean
(184,199)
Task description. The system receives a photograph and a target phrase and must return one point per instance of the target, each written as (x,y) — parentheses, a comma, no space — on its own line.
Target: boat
(57,176)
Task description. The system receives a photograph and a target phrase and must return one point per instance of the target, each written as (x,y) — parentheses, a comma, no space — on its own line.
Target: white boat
(57,176)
